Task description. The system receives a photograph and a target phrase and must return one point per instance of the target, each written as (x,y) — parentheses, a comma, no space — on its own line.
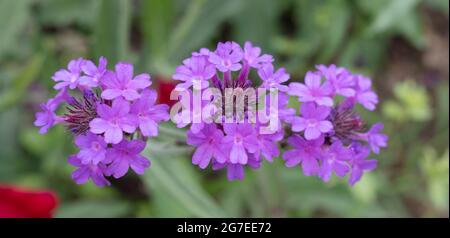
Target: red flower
(164,88)
(20,203)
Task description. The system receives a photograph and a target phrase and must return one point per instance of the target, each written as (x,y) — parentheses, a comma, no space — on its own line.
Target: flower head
(238,125)
(334,139)
(106,111)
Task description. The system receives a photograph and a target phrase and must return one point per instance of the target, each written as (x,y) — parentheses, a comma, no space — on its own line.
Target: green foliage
(111,29)
(13,17)
(412,103)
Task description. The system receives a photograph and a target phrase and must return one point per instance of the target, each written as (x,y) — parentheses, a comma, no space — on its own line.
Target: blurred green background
(402,44)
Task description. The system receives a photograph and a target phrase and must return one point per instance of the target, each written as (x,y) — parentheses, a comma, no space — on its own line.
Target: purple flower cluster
(110,113)
(332,137)
(236,143)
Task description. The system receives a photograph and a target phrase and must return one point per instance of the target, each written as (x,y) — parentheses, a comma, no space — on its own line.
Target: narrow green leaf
(111,30)
(257,22)
(94,209)
(13,17)
(201,21)
(19,85)
(177,178)
(157,16)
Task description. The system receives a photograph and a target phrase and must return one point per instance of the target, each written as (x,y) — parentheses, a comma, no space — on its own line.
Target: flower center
(312,122)
(96,146)
(238,139)
(73,78)
(227,63)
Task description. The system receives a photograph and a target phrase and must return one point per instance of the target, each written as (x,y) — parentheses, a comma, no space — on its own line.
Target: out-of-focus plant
(436,171)
(411,103)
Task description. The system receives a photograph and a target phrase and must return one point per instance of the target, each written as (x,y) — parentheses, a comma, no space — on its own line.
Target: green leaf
(63,13)
(157,17)
(176,176)
(9,125)
(93,209)
(111,30)
(199,24)
(334,34)
(257,22)
(16,91)
(13,18)
(399,16)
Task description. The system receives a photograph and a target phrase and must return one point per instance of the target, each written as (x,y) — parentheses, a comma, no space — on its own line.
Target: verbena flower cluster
(110,113)
(330,136)
(232,140)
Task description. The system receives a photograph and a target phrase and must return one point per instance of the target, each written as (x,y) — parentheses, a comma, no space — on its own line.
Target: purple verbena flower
(95,172)
(124,155)
(46,118)
(339,78)
(253,57)
(268,147)
(227,57)
(359,164)
(69,77)
(123,84)
(202,52)
(209,145)
(375,139)
(335,159)
(241,140)
(313,121)
(92,148)
(273,79)
(364,94)
(195,71)
(237,171)
(113,121)
(148,114)
(304,152)
(93,74)
(312,90)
